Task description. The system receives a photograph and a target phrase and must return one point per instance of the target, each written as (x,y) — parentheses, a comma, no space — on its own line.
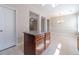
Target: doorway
(7,28)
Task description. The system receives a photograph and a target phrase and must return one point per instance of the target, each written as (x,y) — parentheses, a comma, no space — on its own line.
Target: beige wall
(68,26)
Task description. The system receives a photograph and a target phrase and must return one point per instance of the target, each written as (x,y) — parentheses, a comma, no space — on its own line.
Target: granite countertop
(34,33)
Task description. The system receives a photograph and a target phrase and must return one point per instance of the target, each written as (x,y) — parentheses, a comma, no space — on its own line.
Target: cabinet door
(39,44)
(7,28)
(47,39)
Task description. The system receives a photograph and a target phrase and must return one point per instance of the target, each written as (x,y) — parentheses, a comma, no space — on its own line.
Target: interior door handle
(1,30)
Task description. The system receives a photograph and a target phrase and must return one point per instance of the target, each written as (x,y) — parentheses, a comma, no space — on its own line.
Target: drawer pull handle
(1,30)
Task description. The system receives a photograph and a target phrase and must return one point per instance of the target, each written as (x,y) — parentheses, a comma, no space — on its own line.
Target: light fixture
(53,5)
(60,21)
(43,4)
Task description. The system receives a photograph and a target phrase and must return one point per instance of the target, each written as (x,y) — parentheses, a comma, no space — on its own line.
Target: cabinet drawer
(38,37)
(39,41)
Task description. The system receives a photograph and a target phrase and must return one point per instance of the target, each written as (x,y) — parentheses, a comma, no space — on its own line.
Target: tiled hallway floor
(13,51)
(61,44)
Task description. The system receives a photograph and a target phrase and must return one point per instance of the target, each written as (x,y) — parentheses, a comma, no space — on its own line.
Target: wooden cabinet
(35,44)
(47,39)
(29,44)
(39,44)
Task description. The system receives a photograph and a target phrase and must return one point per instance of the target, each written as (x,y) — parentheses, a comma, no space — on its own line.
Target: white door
(7,28)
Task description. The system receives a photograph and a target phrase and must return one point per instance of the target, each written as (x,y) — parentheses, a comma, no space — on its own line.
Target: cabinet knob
(1,30)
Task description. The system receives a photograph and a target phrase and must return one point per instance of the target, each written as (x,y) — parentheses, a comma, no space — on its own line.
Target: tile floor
(16,50)
(61,44)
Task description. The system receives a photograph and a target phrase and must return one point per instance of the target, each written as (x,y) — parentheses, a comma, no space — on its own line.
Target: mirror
(33,18)
(42,23)
(47,25)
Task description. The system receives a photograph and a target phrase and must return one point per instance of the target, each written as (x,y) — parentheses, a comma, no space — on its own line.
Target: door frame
(10,8)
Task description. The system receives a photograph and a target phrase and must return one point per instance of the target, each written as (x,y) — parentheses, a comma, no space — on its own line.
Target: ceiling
(58,10)
(61,9)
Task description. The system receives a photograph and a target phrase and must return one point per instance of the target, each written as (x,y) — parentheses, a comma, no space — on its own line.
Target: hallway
(66,48)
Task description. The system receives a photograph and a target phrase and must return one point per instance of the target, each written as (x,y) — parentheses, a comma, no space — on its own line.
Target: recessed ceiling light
(53,5)
(43,4)
(71,10)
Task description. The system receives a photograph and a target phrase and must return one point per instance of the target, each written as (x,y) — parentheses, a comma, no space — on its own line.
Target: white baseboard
(21,43)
